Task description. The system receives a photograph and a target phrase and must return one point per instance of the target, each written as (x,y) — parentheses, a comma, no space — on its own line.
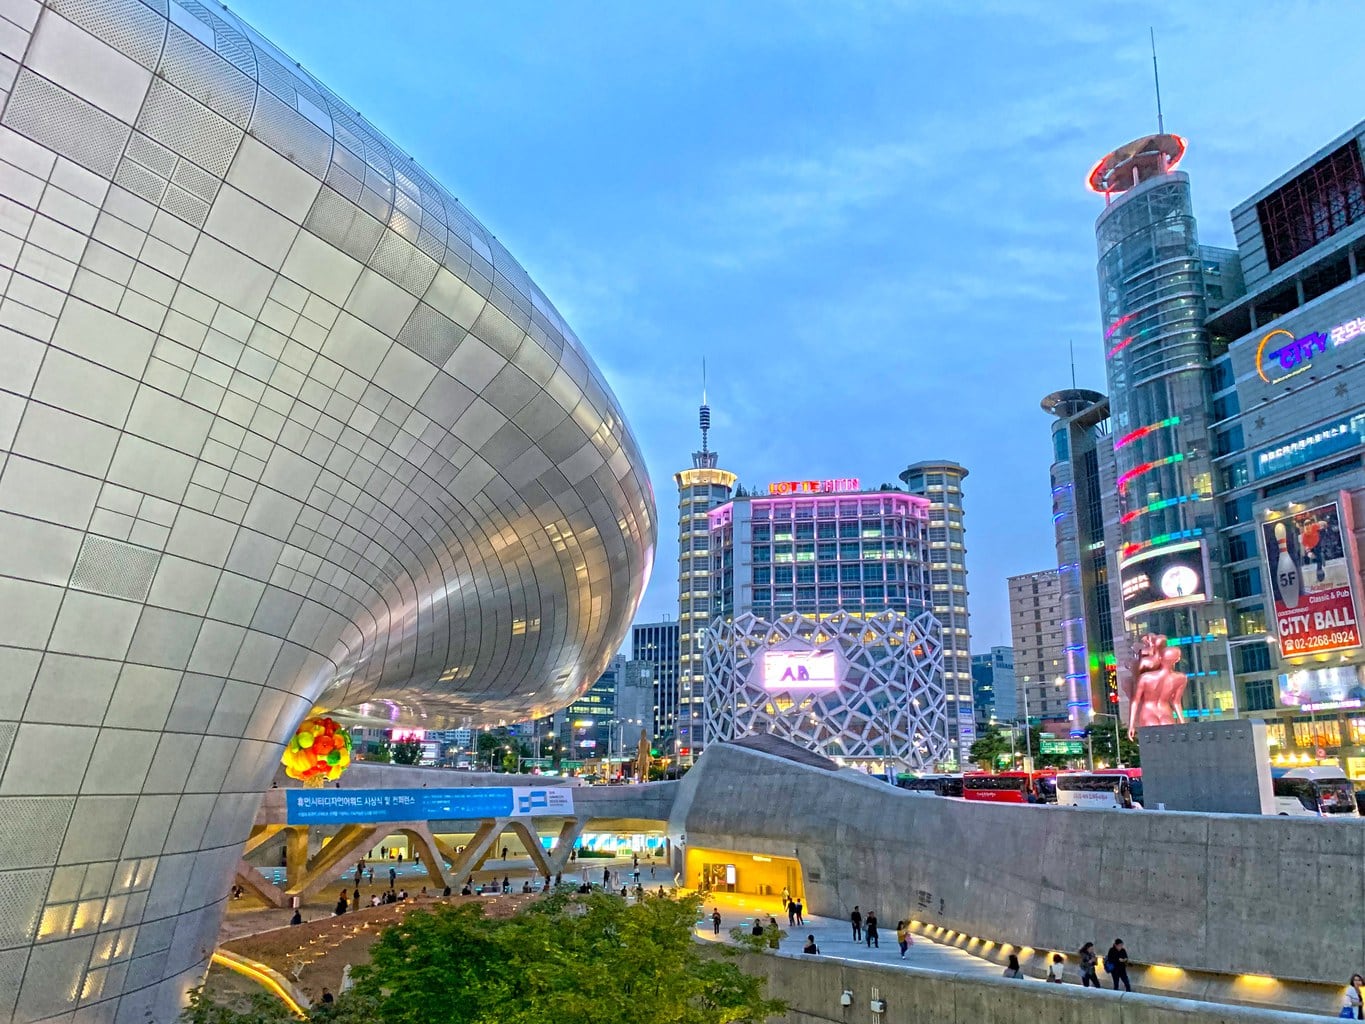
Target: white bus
(1314,793)
(1092,789)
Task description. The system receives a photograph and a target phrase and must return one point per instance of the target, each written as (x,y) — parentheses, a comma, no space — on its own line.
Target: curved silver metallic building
(281,425)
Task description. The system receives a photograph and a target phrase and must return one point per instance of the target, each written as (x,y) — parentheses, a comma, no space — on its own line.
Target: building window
(763,576)
(1227,441)
(1238,510)
(763,553)
(1246,582)
(1253,658)
(826,531)
(1234,475)
(1240,547)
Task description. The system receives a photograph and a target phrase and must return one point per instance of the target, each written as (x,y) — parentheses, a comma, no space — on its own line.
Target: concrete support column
(479,844)
(568,835)
(295,855)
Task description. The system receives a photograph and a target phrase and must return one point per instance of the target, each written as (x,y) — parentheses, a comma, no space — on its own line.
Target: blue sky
(869,217)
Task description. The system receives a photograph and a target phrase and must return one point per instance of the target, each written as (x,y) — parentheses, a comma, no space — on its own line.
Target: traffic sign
(1070,748)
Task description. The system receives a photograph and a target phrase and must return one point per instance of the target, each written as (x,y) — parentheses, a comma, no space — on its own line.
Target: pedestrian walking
(393,877)
(341,904)
(504,853)
(800,911)
(355,898)
(810,946)
(1088,958)
(786,895)
(1355,999)
(1012,968)
(870,930)
(1116,963)
(791,913)
(715,920)
(856,919)
(774,933)
(757,930)
(903,938)
(606,878)
(1056,969)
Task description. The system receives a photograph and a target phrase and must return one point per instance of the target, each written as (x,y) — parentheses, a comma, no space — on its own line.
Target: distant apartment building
(1039,659)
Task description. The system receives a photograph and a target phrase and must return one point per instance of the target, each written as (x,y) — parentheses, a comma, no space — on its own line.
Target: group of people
(867,930)
(795,907)
(1115,965)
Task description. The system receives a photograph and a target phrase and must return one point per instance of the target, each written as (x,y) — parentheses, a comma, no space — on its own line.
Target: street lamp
(1118,751)
(1229,643)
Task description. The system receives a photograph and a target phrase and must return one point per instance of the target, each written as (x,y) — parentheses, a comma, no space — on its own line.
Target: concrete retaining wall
(811,987)
(1229,894)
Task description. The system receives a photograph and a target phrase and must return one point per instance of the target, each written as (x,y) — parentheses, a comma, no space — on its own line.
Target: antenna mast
(1156,77)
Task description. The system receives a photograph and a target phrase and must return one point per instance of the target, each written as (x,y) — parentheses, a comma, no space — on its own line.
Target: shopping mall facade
(1237,393)
(823,632)
(282,426)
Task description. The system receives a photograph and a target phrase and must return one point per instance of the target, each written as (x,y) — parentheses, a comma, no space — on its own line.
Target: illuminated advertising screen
(1322,689)
(1311,555)
(800,670)
(1164,577)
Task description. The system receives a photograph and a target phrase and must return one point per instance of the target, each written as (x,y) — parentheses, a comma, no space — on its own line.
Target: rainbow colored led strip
(1157,506)
(1141,432)
(1131,549)
(1136,471)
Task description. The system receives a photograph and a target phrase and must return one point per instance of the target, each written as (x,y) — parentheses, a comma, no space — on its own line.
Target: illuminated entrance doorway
(731,871)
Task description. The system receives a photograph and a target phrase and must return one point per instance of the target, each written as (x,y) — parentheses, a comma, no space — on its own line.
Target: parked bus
(1010,787)
(933,785)
(1314,792)
(1096,789)
(1134,776)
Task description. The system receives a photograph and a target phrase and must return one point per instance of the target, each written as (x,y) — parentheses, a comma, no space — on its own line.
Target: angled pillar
(425,849)
(568,835)
(255,881)
(479,845)
(260,835)
(295,855)
(530,839)
(325,866)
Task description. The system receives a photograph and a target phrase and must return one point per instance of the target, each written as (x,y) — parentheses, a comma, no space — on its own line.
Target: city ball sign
(800,670)
(1311,555)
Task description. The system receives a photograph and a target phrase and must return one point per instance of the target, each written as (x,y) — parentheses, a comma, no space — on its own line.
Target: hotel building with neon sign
(824,632)
(1240,428)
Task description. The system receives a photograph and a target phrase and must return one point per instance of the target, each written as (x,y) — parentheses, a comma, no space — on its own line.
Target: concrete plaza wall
(1231,894)
(811,987)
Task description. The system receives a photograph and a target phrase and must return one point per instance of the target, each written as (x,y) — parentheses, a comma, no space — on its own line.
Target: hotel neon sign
(1296,354)
(839,486)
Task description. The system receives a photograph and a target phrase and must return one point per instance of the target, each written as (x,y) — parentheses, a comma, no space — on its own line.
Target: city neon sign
(841,485)
(1296,354)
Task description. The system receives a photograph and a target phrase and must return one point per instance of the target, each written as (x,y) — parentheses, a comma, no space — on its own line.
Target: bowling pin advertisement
(1313,577)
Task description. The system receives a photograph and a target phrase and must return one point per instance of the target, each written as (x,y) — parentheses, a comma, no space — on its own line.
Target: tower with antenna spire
(1160,507)
(700,489)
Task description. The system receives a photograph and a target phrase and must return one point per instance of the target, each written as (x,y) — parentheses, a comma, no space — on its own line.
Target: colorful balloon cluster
(319,750)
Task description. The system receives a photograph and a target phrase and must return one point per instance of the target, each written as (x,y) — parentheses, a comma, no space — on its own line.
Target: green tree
(1101,734)
(381,753)
(407,751)
(261,1009)
(566,960)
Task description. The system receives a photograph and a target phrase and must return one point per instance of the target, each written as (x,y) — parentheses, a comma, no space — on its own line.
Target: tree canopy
(568,959)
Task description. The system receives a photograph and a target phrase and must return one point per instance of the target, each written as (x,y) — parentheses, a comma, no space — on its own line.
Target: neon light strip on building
(1129,550)
(1120,346)
(1141,432)
(1137,471)
(1157,506)
(1113,328)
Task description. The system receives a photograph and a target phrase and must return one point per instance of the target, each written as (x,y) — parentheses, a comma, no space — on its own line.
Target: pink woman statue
(1155,689)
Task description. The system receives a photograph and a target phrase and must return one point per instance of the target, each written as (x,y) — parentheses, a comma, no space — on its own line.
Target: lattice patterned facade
(888,705)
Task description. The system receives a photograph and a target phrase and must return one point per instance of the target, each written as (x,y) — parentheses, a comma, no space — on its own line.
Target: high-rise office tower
(1036,628)
(700,489)
(1082,479)
(941,483)
(993,686)
(1153,275)
(657,644)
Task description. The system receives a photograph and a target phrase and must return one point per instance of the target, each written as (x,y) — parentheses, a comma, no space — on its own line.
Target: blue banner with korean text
(344,806)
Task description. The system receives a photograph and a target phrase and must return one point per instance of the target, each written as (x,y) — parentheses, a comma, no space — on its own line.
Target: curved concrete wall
(281,424)
(1223,893)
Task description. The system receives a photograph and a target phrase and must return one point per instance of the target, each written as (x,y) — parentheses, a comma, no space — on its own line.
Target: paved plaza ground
(835,937)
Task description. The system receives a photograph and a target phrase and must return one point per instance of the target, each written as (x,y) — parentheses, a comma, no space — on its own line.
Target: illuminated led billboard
(1311,555)
(800,670)
(1164,577)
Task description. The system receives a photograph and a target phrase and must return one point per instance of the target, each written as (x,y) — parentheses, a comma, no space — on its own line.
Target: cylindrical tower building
(1151,278)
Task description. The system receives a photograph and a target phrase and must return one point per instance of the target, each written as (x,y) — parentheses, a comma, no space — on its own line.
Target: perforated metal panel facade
(281,424)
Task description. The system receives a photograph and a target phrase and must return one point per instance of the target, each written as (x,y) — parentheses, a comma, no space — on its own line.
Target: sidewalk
(835,938)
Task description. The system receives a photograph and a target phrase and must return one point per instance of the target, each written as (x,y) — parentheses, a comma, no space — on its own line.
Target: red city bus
(1010,787)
